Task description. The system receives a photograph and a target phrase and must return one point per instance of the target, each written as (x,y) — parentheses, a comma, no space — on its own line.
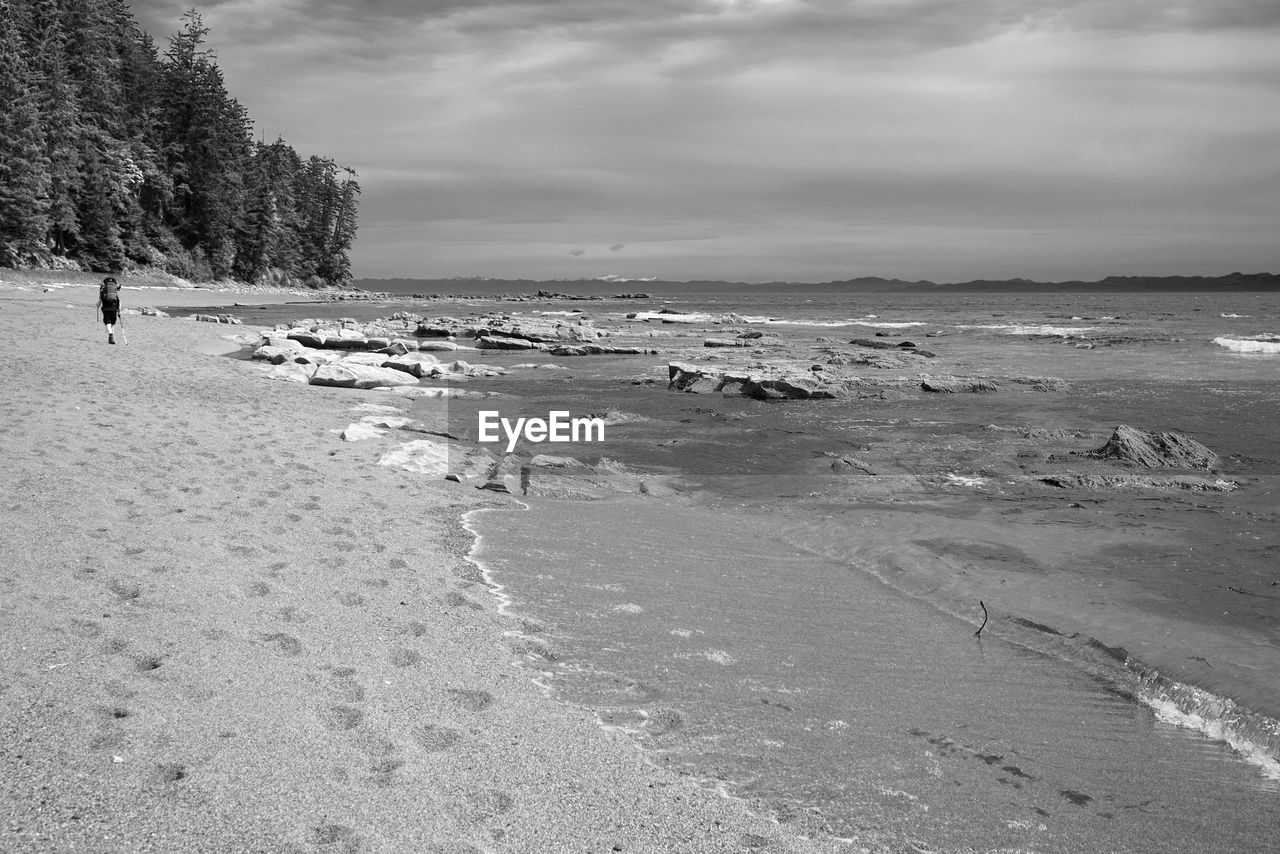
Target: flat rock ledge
(780,381)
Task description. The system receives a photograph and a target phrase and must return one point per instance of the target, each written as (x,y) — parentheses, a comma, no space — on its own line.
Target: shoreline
(225,629)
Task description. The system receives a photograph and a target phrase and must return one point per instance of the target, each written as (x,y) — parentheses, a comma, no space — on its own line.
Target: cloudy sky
(777,139)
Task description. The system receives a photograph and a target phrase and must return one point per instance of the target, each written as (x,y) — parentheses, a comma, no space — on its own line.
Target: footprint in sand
(340,718)
(170,772)
(478,806)
(343,685)
(433,737)
(350,599)
(415,628)
(454,599)
(405,657)
(382,772)
(335,839)
(148,663)
(286,644)
(125,591)
(470,700)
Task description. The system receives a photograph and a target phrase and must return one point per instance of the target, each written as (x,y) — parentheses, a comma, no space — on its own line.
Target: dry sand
(223,629)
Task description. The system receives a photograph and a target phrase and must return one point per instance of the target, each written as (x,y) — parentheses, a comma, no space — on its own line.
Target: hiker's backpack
(110,292)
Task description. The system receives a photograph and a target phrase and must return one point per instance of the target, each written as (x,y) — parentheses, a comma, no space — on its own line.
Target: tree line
(115,156)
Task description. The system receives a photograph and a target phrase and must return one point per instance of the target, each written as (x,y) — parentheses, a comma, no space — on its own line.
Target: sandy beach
(224,629)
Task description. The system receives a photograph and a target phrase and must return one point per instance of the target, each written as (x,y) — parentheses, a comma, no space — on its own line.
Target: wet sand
(224,629)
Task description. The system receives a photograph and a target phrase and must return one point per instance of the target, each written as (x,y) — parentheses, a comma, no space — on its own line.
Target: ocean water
(741,634)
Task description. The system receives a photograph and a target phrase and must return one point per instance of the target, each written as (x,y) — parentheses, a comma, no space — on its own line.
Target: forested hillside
(114,155)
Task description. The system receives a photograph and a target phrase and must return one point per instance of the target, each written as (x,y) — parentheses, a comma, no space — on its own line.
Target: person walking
(109,306)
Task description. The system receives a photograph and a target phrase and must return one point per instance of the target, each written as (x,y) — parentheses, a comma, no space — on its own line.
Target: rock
(346,339)
(397,348)
(1129,481)
(506,476)
(872,343)
(849,465)
(958,385)
(277,355)
(418,364)
(487,342)
(374,359)
(568,463)
(361,431)
(417,392)
(423,456)
(566,350)
(725,342)
(307,338)
(291,372)
(346,374)
(682,377)
(1131,446)
(1045,384)
(797,387)
(436,346)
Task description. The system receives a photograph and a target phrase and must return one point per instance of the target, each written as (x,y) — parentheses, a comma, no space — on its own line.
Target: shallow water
(803,681)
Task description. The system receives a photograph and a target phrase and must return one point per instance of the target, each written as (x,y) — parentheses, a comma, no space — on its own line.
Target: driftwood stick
(978,633)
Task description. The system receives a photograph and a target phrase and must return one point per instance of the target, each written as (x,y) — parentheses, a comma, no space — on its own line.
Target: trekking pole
(124,337)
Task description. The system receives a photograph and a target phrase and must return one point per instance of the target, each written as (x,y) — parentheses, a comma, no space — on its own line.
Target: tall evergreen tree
(24,167)
(60,116)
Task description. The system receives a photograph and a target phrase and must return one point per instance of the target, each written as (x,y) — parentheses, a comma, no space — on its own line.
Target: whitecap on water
(1260,344)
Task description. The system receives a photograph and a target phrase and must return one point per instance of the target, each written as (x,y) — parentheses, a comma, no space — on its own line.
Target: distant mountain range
(611,285)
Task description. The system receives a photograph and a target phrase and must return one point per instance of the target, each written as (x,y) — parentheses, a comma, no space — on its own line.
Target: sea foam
(1259,344)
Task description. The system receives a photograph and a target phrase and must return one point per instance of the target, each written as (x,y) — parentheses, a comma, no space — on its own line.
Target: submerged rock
(1131,446)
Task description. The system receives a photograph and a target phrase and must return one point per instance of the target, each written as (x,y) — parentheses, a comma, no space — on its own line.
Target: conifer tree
(24,169)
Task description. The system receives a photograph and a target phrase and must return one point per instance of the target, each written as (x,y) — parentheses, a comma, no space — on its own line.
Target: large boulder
(278,355)
(347,374)
(291,372)
(1131,446)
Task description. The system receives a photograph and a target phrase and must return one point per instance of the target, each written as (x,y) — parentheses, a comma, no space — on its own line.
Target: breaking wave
(1254,737)
(1257,344)
(1035,329)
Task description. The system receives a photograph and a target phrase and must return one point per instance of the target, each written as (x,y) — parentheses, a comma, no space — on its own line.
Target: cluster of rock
(780,384)
(750,338)
(217,318)
(784,381)
(392,366)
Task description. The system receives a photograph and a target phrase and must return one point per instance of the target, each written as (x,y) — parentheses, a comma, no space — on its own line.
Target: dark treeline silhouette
(115,156)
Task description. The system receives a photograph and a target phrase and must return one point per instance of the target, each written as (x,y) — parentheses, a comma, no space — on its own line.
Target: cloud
(755,135)
(577,252)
